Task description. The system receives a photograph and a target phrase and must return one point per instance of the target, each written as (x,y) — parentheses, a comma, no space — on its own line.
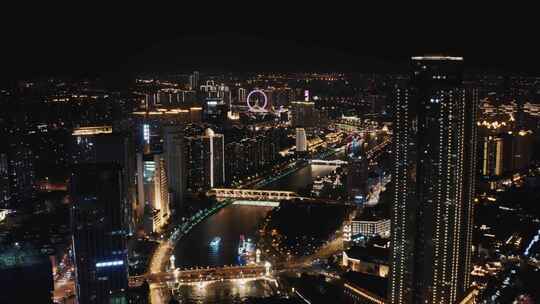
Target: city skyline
(270,157)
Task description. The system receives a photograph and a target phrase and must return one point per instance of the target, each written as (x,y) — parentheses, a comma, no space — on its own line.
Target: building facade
(175,165)
(375,227)
(435,142)
(357,175)
(17,175)
(301,140)
(101,145)
(99,233)
(153,191)
(205,161)
(303,114)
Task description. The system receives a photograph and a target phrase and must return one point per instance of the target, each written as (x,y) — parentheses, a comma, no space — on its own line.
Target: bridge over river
(196,275)
(238,213)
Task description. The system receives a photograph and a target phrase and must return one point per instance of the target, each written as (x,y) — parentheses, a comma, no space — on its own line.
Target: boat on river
(215,241)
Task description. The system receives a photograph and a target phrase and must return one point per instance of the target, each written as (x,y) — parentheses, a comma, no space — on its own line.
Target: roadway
(64,281)
(64,292)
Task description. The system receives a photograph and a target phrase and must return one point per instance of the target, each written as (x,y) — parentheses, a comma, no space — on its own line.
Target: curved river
(229,224)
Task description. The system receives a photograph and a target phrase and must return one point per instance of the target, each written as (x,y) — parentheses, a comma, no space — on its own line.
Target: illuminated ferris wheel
(257,101)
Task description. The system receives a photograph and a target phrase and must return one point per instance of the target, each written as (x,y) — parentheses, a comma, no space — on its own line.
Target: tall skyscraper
(99,233)
(174,160)
(101,145)
(435,142)
(119,148)
(153,191)
(215,166)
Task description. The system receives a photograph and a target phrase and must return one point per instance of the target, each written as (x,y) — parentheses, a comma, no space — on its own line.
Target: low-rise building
(370,260)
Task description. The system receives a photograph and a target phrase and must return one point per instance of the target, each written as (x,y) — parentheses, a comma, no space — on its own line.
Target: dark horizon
(104,44)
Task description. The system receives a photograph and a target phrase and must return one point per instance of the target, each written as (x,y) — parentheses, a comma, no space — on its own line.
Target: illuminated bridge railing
(252,194)
(336,162)
(219,273)
(202,274)
(257,203)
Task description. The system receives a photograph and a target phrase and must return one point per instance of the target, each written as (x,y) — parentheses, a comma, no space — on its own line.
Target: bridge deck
(201,274)
(252,194)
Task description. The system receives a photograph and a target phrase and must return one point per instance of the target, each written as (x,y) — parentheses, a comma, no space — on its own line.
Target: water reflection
(301,178)
(225,292)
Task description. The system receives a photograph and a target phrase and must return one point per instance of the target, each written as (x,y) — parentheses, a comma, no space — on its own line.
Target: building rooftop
(370,214)
(17,256)
(369,254)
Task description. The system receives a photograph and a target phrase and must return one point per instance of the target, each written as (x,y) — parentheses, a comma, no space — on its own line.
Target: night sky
(100,41)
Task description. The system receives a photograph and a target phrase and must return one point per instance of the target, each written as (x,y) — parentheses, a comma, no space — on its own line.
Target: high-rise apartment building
(435,142)
(249,156)
(204,157)
(17,175)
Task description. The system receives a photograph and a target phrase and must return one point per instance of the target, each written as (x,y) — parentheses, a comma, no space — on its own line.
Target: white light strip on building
(437,58)
(109,264)
(534,240)
(212,161)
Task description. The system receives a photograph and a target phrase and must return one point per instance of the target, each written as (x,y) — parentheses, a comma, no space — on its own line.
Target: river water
(229,224)
(301,178)
(226,292)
